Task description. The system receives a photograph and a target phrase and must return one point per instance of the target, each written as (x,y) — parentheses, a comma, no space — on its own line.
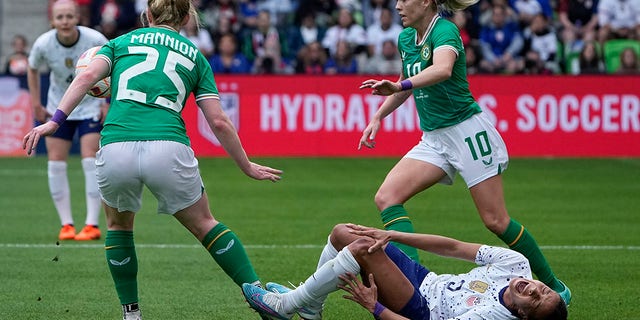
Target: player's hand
(30,140)
(359,293)
(381,237)
(41,114)
(369,135)
(381,87)
(260,172)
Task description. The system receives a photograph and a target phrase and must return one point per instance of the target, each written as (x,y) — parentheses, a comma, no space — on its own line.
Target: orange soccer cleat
(68,232)
(88,233)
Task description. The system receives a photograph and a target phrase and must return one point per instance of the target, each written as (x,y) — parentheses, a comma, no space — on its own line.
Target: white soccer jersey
(475,295)
(61,60)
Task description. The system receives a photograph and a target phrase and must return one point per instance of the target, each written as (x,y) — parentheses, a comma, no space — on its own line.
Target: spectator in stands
(254,41)
(383,30)
(386,62)
(311,59)
(113,17)
(221,11)
(372,11)
(486,12)
(579,21)
(304,31)
(271,60)
(17,62)
(223,27)
(590,60)
(229,59)
(501,44)
(323,9)
(346,29)
(541,47)
(628,62)
(528,9)
(248,13)
(199,36)
(460,20)
(618,19)
(473,57)
(279,10)
(343,61)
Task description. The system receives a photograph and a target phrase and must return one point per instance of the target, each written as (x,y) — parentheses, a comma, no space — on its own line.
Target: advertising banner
(323,116)
(15,116)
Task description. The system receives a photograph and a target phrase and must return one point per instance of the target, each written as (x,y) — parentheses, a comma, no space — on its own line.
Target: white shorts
(169,169)
(474,148)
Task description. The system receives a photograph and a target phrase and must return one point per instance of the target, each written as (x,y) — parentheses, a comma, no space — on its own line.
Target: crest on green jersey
(425,53)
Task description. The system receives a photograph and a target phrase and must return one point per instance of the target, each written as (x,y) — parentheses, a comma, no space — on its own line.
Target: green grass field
(585,213)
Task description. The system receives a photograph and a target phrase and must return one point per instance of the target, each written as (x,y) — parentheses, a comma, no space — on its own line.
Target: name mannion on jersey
(167,41)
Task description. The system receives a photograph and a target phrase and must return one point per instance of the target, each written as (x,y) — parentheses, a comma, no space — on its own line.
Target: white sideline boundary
(72,245)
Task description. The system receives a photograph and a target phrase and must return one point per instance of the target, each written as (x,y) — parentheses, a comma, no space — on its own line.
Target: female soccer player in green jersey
(457,136)
(144,142)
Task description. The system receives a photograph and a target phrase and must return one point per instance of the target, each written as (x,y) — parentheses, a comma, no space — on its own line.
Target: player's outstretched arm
(226,133)
(440,245)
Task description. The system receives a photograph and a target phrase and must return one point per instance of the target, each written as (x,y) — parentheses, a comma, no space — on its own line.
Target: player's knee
(360,247)
(383,200)
(497,224)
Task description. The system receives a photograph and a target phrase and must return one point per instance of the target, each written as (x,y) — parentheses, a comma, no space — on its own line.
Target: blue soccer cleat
(306,313)
(267,303)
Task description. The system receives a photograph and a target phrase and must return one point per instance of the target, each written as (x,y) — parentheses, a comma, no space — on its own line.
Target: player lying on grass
(501,287)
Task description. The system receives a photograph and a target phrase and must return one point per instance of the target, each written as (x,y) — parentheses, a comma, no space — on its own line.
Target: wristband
(406,85)
(378,309)
(59,117)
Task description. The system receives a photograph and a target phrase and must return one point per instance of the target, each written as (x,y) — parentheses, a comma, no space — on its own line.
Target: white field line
(269,246)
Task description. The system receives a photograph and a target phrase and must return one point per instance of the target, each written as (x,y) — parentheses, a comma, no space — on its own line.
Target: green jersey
(446,103)
(153,72)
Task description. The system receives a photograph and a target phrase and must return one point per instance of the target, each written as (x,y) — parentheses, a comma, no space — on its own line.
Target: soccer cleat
(306,313)
(267,303)
(88,233)
(565,294)
(131,312)
(68,232)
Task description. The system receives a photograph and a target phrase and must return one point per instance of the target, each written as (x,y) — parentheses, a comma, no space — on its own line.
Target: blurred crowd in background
(359,37)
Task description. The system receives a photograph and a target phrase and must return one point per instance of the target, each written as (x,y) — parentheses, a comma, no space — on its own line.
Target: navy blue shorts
(417,307)
(69,128)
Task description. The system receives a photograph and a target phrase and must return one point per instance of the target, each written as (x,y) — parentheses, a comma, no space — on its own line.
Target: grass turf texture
(565,203)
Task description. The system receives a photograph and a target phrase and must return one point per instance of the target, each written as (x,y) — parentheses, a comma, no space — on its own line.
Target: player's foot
(565,294)
(266,303)
(307,313)
(68,232)
(131,312)
(88,233)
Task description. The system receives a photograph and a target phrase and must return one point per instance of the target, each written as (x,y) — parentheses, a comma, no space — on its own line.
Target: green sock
(396,218)
(123,264)
(227,250)
(519,239)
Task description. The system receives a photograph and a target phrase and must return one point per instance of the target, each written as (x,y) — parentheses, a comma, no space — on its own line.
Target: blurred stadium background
(573,180)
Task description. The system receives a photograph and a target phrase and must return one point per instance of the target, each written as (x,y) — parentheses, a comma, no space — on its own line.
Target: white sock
(92,193)
(328,253)
(316,288)
(59,189)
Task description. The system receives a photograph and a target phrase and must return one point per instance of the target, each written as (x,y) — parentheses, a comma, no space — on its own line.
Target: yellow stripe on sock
(518,237)
(216,238)
(394,220)
(110,247)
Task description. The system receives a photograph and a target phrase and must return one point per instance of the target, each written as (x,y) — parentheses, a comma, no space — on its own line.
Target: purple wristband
(378,309)
(59,117)
(406,85)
